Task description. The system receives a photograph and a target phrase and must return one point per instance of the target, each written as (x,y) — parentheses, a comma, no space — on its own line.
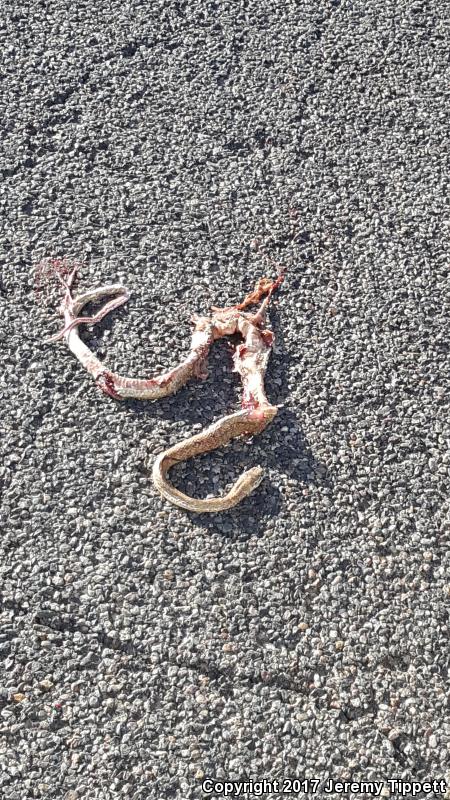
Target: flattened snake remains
(250,361)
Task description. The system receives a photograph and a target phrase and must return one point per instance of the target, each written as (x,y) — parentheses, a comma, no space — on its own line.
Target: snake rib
(250,361)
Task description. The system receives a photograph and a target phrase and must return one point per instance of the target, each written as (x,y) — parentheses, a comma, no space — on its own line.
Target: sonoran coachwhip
(250,361)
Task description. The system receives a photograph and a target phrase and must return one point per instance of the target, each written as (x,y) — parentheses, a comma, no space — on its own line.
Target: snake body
(250,361)
(245,422)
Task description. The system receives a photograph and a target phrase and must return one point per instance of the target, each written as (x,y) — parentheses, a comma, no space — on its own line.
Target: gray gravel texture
(182,147)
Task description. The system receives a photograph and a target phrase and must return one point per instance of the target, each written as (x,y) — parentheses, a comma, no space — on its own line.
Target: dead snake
(250,361)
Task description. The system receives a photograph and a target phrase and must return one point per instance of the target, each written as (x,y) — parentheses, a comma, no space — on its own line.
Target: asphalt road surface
(186,149)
